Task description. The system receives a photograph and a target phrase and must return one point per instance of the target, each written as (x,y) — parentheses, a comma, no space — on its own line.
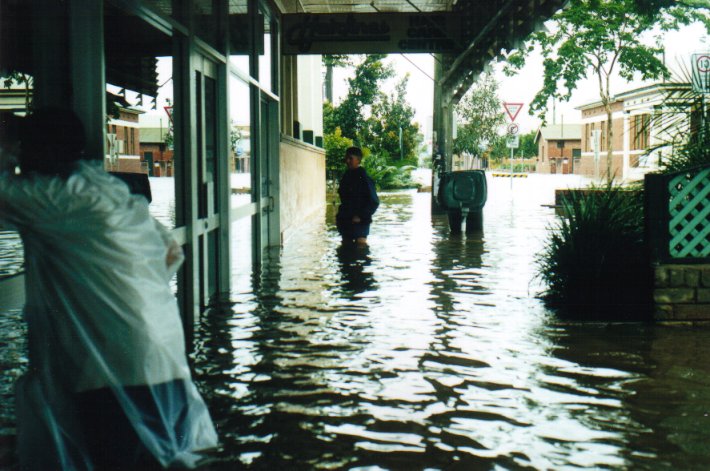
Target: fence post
(656,216)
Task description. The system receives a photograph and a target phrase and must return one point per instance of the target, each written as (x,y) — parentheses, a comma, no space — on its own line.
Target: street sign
(513,142)
(512,109)
(701,72)
(512,129)
(169,111)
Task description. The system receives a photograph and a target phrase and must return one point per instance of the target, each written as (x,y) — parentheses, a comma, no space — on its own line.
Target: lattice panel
(689,214)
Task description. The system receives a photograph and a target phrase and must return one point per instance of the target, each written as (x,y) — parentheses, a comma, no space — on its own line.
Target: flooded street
(427,351)
(431,351)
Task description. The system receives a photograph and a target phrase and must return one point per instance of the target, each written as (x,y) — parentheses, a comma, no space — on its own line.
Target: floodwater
(432,351)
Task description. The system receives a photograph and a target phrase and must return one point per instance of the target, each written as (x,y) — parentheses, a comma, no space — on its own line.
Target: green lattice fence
(678,216)
(689,211)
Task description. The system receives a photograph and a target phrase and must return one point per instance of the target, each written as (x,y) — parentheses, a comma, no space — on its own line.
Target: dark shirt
(357,196)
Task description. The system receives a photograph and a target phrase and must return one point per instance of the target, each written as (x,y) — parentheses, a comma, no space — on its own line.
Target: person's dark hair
(52,140)
(354,151)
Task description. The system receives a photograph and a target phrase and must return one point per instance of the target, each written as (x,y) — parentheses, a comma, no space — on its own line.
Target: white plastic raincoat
(100,314)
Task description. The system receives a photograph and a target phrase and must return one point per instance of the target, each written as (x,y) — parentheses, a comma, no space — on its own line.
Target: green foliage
(23,79)
(363,89)
(682,125)
(335,146)
(329,123)
(481,114)
(693,153)
(603,37)
(528,147)
(385,175)
(595,263)
(498,149)
(392,115)
(378,134)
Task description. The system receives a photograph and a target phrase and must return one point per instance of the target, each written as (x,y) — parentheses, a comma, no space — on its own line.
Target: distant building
(634,132)
(123,142)
(156,155)
(559,148)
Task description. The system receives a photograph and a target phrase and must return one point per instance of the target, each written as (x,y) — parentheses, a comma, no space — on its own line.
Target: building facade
(123,142)
(636,133)
(559,148)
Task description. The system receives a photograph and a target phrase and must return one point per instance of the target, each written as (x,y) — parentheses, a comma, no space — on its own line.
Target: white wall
(310,93)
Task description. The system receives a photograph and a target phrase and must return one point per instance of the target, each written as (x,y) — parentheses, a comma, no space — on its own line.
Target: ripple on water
(427,351)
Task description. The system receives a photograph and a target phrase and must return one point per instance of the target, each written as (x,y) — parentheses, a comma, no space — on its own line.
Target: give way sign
(512,109)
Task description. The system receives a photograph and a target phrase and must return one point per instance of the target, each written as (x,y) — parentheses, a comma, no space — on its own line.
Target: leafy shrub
(385,175)
(335,145)
(595,263)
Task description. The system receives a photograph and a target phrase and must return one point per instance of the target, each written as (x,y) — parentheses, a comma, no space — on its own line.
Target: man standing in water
(358,200)
(108,384)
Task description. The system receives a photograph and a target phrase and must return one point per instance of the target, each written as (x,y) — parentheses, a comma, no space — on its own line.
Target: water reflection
(432,351)
(356,269)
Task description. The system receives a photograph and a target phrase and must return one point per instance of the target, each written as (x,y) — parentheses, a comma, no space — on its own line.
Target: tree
(481,113)
(23,79)
(528,148)
(330,61)
(335,145)
(603,37)
(363,89)
(391,127)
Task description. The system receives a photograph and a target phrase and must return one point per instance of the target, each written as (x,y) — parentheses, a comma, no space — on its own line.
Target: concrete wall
(310,94)
(682,292)
(302,183)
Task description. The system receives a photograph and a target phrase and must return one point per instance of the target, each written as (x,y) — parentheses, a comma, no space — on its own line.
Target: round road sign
(512,129)
(703,63)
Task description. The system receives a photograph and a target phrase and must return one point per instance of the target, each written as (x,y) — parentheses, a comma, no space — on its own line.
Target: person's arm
(175,256)
(373,201)
(368,209)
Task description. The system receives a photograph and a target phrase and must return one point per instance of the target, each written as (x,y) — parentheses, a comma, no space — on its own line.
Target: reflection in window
(239,142)
(144,144)
(241,263)
(18,98)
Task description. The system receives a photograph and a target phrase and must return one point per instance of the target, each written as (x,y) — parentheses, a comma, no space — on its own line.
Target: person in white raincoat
(108,385)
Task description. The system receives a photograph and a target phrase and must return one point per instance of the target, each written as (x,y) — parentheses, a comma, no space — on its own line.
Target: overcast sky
(522,87)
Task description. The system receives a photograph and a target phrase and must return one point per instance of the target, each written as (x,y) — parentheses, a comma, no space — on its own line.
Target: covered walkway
(240,92)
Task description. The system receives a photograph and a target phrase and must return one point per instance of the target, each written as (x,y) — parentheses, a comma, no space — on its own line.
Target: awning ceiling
(368,6)
(488,28)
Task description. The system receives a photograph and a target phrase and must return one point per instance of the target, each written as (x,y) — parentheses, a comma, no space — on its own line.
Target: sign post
(701,81)
(512,110)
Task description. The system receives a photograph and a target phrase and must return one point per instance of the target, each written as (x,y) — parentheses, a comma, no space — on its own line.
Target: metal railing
(678,216)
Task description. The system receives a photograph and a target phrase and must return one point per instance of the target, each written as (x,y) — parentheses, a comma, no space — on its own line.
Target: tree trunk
(329,83)
(609,147)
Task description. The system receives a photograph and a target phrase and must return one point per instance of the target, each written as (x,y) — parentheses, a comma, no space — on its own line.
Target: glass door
(208,173)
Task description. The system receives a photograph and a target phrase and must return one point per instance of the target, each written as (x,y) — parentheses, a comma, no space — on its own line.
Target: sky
(523,86)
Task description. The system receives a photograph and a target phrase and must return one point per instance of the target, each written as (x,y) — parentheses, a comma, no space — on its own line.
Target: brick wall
(586,165)
(682,292)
